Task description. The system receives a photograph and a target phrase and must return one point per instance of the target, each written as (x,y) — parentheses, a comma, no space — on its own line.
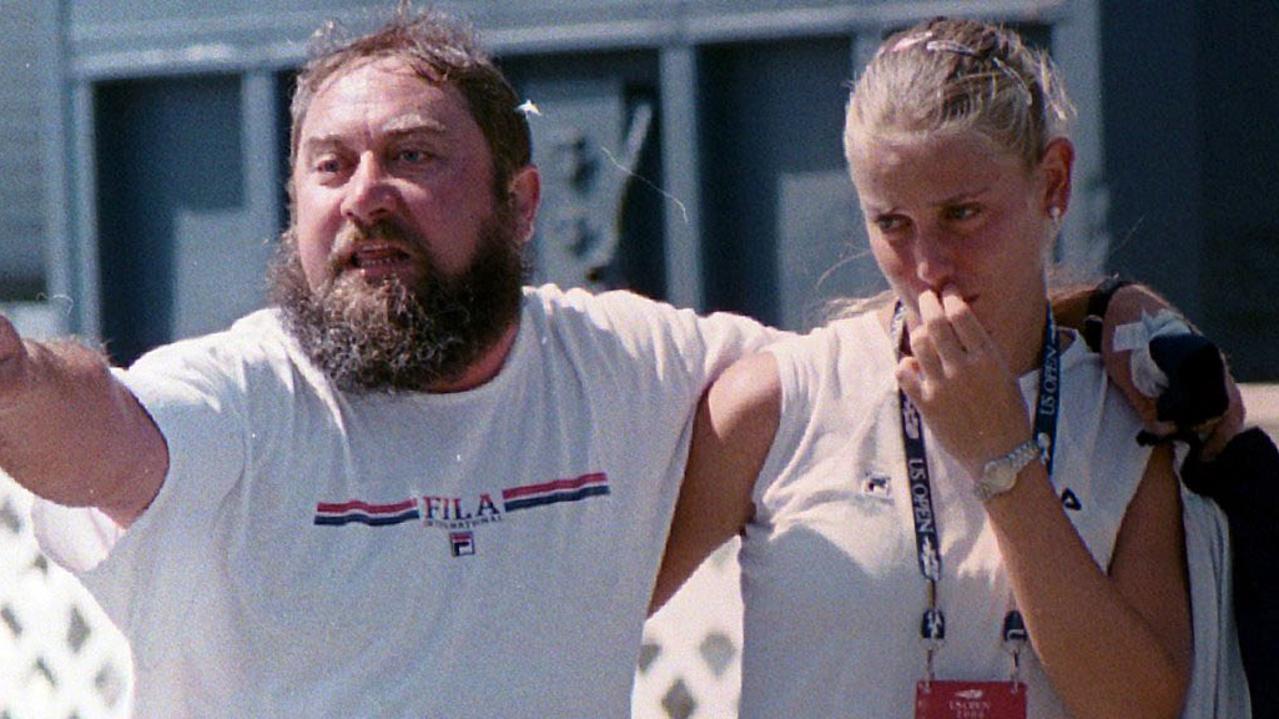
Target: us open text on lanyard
(932,627)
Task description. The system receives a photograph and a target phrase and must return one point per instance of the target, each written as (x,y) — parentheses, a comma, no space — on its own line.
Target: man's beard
(386,336)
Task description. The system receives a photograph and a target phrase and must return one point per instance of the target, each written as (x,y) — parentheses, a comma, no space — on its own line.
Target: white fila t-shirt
(484,553)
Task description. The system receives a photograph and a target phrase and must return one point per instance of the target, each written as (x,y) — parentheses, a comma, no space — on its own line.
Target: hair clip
(950,46)
(528,108)
(910,41)
(958,49)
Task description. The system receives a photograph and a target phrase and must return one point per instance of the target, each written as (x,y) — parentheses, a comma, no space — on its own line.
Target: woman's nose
(933,259)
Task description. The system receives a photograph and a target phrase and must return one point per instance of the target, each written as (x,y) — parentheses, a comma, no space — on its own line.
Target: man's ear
(525,194)
(1055,167)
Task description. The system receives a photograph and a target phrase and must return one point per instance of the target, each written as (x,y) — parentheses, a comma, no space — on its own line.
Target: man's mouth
(378,256)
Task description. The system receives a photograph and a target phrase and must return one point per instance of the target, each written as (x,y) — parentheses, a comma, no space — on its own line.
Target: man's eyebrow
(397,126)
(412,124)
(322,142)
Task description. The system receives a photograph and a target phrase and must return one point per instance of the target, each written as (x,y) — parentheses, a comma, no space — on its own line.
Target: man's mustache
(352,235)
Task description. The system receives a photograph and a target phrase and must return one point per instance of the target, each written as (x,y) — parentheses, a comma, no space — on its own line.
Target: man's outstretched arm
(72,433)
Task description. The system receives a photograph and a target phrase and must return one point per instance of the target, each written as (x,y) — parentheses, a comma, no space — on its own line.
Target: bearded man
(411,487)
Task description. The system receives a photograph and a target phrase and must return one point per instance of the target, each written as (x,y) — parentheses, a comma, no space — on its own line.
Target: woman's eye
(890,223)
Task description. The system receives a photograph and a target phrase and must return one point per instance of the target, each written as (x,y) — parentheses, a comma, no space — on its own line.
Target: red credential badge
(970,700)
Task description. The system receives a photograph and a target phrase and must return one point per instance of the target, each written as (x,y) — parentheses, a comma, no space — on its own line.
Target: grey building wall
(1191,92)
(741,200)
(22,192)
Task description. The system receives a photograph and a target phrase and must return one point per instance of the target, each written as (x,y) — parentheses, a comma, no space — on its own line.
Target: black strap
(927,544)
(1098,301)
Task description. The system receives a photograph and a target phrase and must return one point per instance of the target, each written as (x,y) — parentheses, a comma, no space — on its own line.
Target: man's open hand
(1126,349)
(13,360)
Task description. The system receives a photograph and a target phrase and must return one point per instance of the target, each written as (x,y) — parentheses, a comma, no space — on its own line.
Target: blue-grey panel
(772,126)
(172,234)
(118,37)
(600,224)
(1240,245)
(1153,154)
(22,227)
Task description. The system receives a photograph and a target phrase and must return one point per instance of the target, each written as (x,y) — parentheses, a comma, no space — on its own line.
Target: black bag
(1244,481)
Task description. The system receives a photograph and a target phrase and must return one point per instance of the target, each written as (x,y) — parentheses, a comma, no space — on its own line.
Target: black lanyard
(928,548)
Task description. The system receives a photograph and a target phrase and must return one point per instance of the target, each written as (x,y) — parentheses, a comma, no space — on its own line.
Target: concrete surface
(1262,403)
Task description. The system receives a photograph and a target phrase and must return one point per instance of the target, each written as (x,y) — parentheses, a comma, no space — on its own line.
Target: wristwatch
(1000,474)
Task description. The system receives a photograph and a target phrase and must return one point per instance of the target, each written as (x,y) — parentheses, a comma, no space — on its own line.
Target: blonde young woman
(1020,555)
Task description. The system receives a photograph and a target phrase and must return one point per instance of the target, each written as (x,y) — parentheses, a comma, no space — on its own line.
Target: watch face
(1002,476)
(995,479)
(999,475)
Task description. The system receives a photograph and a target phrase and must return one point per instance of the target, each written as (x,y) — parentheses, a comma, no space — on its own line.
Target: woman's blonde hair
(947,75)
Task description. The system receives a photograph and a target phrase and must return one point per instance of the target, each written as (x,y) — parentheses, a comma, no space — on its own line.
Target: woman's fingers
(950,350)
(950,331)
(958,379)
(964,323)
(924,351)
(910,379)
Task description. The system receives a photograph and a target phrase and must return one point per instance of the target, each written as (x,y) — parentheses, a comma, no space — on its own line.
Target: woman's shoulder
(850,346)
(1087,386)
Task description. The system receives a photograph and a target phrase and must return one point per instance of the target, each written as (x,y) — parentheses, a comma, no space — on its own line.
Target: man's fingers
(1229,425)
(10,341)
(12,354)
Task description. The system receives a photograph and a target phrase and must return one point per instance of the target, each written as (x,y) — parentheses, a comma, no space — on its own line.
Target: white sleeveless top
(832,589)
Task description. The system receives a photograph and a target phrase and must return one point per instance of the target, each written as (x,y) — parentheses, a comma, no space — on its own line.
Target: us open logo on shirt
(461,516)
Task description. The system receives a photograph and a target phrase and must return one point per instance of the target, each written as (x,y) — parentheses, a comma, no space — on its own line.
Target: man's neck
(484,368)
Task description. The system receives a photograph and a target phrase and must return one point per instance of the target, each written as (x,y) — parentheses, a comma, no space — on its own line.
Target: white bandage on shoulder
(1136,337)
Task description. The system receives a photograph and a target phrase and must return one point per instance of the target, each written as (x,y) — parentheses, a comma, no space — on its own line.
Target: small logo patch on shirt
(462,544)
(876,484)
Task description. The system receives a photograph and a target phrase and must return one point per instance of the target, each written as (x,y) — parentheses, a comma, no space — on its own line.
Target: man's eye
(328,165)
(413,156)
(959,213)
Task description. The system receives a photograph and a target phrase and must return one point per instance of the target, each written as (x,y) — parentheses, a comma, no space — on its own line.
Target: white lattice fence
(60,657)
(690,664)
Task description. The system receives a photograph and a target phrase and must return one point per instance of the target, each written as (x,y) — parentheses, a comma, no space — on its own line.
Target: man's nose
(369,197)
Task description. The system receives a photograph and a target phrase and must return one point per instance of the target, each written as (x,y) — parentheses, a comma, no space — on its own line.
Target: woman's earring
(1054,212)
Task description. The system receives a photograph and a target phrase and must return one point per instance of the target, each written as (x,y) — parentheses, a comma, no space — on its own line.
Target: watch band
(1000,474)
